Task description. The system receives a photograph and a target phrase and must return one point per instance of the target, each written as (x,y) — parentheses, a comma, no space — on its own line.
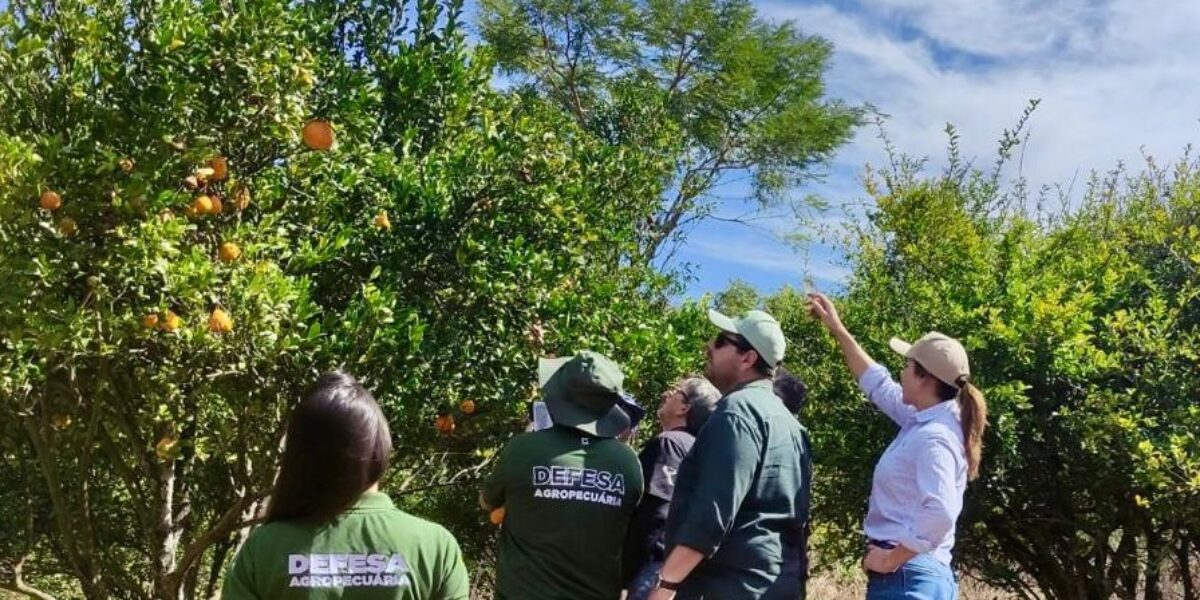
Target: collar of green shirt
(372,501)
(764,382)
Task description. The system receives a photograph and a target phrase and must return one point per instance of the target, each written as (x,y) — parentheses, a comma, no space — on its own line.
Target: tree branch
(229,522)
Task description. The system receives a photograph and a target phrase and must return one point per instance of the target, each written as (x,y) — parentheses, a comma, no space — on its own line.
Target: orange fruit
(50,200)
(496,516)
(317,135)
(229,252)
(219,321)
(217,205)
(67,226)
(171,322)
(467,406)
(126,165)
(445,424)
(150,321)
(241,197)
(202,205)
(60,421)
(220,168)
(381,220)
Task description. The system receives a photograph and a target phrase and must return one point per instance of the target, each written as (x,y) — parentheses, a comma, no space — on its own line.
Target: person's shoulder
(677,439)
(417,529)
(415,523)
(755,401)
(614,450)
(939,432)
(274,534)
(524,442)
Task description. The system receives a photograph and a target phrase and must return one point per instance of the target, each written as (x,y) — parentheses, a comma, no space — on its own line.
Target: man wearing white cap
(740,495)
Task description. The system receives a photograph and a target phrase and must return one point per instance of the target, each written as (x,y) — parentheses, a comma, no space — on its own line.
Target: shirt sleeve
(939,503)
(239,579)
(493,487)
(455,585)
(883,391)
(727,456)
(660,473)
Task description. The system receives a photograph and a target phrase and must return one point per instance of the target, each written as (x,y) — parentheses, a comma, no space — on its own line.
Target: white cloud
(1113,77)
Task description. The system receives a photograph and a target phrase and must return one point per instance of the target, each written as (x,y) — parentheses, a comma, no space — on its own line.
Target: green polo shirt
(373,551)
(740,495)
(568,498)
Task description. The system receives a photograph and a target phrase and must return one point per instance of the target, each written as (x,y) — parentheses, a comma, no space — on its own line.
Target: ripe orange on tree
(150,321)
(381,220)
(445,423)
(171,322)
(317,135)
(467,407)
(220,168)
(219,321)
(50,200)
(202,205)
(217,205)
(126,165)
(229,252)
(497,515)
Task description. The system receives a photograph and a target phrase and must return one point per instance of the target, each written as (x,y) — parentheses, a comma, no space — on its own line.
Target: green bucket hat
(582,391)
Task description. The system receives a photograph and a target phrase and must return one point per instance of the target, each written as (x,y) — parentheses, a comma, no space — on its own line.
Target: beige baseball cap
(940,354)
(759,328)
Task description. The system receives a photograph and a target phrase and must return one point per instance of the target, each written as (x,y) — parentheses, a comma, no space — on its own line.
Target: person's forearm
(679,563)
(857,359)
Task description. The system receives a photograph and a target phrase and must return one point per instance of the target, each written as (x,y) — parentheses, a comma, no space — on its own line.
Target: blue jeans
(643,582)
(922,578)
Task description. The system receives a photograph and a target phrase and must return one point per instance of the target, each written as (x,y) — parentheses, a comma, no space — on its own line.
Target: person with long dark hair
(918,485)
(329,531)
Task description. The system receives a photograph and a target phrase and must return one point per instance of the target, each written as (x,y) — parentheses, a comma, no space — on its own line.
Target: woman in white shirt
(918,485)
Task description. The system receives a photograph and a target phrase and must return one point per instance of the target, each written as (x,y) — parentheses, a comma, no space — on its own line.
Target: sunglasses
(727,339)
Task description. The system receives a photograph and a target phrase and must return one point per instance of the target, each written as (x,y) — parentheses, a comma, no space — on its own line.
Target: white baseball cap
(759,328)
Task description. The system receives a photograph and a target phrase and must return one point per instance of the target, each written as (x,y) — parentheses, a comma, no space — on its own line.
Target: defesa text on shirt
(347,570)
(576,484)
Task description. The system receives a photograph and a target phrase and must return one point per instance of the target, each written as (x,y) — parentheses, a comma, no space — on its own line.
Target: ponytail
(973,409)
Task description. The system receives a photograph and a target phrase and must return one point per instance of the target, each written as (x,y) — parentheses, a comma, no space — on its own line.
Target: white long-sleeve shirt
(918,485)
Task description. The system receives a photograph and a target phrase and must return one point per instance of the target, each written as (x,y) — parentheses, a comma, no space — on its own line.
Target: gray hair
(701,398)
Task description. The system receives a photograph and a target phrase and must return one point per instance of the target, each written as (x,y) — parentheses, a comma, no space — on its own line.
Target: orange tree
(203,205)
(1083,328)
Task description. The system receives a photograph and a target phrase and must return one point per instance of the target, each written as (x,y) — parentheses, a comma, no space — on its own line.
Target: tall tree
(709,83)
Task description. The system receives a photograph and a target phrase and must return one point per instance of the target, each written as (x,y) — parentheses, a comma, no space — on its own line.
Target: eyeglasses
(726,339)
